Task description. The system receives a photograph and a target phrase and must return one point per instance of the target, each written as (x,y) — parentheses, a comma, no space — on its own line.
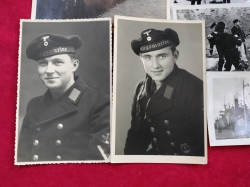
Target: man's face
(160,63)
(238,23)
(57,72)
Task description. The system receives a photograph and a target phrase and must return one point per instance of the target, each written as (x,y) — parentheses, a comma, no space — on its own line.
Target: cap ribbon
(57,51)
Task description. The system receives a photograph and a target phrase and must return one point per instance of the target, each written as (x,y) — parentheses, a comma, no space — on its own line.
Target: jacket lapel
(47,111)
(162,99)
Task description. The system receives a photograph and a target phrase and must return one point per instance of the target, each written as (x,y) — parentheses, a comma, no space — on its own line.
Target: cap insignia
(44,39)
(147,33)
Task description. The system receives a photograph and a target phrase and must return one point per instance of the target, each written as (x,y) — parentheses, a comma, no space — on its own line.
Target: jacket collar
(162,99)
(46,110)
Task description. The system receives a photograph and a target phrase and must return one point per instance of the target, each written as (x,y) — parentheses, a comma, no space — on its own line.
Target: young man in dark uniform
(238,32)
(227,43)
(70,121)
(167,111)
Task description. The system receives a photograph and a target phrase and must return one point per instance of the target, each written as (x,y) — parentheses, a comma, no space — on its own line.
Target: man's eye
(42,63)
(147,57)
(162,56)
(58,62)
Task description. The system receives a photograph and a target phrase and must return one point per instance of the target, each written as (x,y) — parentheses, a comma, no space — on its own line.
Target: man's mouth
(49,78)
(157,72)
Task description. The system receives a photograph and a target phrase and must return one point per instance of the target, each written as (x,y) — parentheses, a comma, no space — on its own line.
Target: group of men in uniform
(232,47)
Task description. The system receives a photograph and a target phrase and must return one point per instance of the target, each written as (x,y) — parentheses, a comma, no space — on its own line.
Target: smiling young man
(70,121)
(167,110)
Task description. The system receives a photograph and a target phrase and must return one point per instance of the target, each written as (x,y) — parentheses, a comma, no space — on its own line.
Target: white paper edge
(150,158)
(212,137)
(18,91)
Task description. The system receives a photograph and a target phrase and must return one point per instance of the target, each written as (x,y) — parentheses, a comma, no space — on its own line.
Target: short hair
(72,56)
(220,27)
(235,21)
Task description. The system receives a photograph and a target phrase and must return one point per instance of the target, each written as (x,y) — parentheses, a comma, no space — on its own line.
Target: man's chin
(51,86)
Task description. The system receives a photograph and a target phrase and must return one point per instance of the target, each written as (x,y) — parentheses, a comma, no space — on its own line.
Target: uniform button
(60,126)
(166,121)
(155,140)
(35,157)
(157,149)
(149,120)
(58,157)
(152,129)
(38,128)
(175,153)
(58,142)
(172,144)
(35,142)
(185,148)
(168,133)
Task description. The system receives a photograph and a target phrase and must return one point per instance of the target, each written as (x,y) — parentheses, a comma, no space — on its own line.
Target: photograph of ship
(231,108)
(226,50)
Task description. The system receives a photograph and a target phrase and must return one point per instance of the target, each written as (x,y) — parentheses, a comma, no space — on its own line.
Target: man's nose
(155,63)
(50,68)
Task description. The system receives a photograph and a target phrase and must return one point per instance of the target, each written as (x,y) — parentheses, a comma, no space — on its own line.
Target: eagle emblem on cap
(147,33)
(44,39)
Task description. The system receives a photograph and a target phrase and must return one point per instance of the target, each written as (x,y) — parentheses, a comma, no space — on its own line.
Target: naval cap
(152,39)
(48,45)
(235,21)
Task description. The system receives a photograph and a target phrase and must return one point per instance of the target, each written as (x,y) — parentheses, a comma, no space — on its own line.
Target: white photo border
(106,159)
(210,108)
(149,158)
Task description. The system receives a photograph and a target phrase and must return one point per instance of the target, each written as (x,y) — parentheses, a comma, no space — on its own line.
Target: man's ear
(176,54)
(75,64)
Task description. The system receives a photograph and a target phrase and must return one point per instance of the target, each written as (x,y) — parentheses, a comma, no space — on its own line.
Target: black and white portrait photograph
(206,2)
(63,103)
(227,34)
(158,96)
(75,9)
(228,108)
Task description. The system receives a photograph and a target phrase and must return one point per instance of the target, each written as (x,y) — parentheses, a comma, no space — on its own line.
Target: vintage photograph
(227,34)
(158,98)
(75,9)
(228,108)
(206,2)
(63,103)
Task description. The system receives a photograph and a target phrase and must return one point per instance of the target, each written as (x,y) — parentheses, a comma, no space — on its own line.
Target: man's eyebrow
(146,55)
(57,59)
(165,53)
(42,60)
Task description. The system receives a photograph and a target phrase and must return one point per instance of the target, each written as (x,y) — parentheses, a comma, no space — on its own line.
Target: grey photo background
(94,57)
(130,69)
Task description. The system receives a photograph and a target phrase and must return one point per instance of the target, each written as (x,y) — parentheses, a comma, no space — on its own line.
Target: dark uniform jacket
(171,119)
(211,37)
(227,43)
(239,32)
(75,127)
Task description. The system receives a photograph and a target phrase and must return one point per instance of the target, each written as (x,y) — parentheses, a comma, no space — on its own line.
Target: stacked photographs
(168,79)
(227,49)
